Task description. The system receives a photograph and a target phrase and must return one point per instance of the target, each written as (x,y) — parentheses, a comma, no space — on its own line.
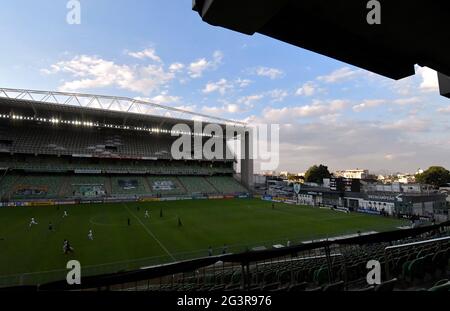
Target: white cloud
(250,99)
(242,83)
(278,95)
(407,101)
(221,86)
(410,124)
(372,103)
(307,89)
(368,103)
(445,110)
(317,108)
(164,98)
(272,73)
(176,67)
(429,79)
(147,53)
(397,156)
(218,111)
(351,143)
(90,72)
(197,67)
(340,75)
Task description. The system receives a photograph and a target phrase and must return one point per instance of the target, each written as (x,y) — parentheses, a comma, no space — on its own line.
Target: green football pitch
(30,255)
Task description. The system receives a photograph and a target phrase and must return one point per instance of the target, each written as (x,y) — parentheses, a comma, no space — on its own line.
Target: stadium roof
(411,32)
(114,109)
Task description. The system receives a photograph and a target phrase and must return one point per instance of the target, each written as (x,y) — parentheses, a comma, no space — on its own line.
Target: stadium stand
(21,186)
(58,151)
(225,184)
(129,185)
(63,164)
(164,185)
(6,184)
(30,186)
(197,185)
(89,186)
(85,141)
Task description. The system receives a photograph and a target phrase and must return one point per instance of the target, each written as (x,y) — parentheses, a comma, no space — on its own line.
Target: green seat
(416,268)
(321,276)
(441,282)
(335,287)
(386,286)
(440,260)
(440,288)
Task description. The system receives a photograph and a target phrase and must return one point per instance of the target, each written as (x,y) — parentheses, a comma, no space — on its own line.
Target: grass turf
(27,252)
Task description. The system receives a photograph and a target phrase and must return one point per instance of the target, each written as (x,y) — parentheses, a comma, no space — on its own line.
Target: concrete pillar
(247,177)
(444,84)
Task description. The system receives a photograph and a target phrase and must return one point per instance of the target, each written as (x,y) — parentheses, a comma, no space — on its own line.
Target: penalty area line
(151,233)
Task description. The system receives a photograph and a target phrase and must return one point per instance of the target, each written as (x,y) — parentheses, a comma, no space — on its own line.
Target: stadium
(99,171)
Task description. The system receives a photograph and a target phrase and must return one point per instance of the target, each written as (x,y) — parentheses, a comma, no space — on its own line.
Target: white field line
(151,233)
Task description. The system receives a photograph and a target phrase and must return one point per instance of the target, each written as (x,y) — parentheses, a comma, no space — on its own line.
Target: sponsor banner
(149,158)
(122,199)
(180,198)
(128,184)
(65,203)
(228,197)
(41,203)
(87,171)
(280,200)
(242,196)
(163,185)
(267,198)
(16,204)
(169,199)
(92,202)
(194,197)
(368,211)
(82,155)
(150,199)
(215,197)
(291,202)
(342,209)
(89,191)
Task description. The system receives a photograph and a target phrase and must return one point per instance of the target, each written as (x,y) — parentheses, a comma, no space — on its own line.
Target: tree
(316,174)
(435,175)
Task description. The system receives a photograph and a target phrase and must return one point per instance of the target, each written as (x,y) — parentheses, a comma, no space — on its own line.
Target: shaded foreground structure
(410,32)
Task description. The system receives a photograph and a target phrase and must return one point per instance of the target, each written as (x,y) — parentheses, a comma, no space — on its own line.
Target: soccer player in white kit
(33,222)
(147,215)
(91,235)
(65,214)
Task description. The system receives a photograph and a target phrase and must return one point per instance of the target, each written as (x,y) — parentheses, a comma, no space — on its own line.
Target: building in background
(406,178)
(353,174)
(373,197)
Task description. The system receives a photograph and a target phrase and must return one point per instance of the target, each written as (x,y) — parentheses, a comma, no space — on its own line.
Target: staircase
(214,187)
(64,190)
(182,186)
(108,186)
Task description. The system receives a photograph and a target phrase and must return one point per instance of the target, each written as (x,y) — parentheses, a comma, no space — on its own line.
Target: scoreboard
(345,184)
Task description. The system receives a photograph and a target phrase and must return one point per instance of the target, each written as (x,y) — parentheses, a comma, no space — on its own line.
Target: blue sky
(329,112)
